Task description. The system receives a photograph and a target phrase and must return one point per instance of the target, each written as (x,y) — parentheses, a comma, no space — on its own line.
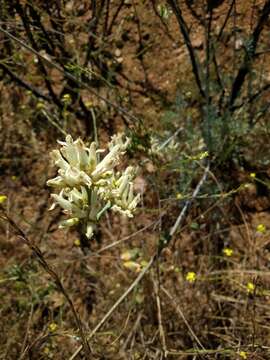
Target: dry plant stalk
(49,270)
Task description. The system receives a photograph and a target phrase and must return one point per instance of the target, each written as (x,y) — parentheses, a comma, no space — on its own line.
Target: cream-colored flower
(118,139)
(70,207)
(104,168)
(69,222)
(89,186)
(125,201)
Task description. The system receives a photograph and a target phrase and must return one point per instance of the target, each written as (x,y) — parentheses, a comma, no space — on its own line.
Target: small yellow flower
(77,242)
(132,265)
(131,254)
(52,327)
(3,198)
(89,104)
(178,196)
(40,105)
(243,354)
(228,252)
(191,276)
(14,177)
(46,350)
(250,288)
(203,155)
(252,175)
(261,228)
(66,98)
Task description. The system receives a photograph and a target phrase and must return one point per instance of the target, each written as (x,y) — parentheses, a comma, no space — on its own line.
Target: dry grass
(151,310)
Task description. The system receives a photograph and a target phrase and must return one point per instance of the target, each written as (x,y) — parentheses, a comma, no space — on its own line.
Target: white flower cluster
(88,187)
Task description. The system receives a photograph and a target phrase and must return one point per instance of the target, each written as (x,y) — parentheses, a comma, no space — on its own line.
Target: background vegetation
(188,82)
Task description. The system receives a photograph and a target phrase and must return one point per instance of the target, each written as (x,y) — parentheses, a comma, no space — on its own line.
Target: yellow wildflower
(3,198)
(40,105)
(14,177)
(131,254)
(243,354)
(46,350)
(132,265)
(77,242)
(66,98)
(89,104)
(252,175)
(52,327)
(191,276)
(228,252)
(178,196)
(203,155)
(250,288)
(261,228)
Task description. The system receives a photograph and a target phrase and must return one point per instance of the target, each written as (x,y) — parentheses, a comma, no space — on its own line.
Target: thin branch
(184,30)
(69,75)
(159,314)
(167,32)
(21,12)
(226,20)
(182,316)
(250,55)
(187,204)
(115,306)
(193,12)
(37,252)
(115,16)
(24,84)
(24,347)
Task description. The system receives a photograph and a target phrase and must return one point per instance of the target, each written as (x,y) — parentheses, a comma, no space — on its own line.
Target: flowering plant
(88,187)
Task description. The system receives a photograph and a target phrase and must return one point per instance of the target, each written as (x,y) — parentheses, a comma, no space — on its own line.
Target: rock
(197,43)
(117,52)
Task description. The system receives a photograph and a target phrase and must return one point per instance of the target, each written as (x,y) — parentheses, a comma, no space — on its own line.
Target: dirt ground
(206,296)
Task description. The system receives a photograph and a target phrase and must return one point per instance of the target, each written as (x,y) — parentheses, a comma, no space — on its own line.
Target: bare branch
(250,55)
(184,30)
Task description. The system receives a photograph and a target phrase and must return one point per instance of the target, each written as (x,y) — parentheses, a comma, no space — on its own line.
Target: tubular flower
(126,202)
(88,186)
